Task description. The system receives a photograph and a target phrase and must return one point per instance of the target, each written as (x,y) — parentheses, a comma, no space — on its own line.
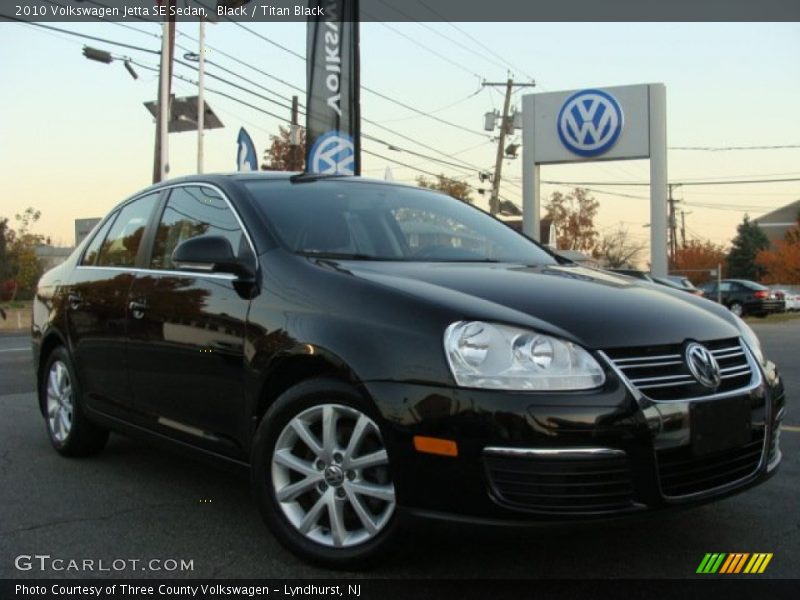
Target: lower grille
(561,485)
(681,473)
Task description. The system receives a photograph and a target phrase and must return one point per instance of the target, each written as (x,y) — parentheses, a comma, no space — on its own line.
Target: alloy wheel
(330,476)
(59,401)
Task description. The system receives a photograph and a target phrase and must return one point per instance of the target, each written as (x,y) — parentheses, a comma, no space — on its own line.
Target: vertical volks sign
(333,119)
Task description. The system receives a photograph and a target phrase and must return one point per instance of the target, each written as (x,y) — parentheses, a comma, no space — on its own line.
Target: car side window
(121,245)
(194,211)
(725,286)
(93,249)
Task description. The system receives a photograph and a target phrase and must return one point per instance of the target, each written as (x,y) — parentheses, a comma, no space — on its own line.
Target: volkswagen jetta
(371,350)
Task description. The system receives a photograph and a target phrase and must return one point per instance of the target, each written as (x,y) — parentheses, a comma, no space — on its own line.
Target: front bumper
(565,456)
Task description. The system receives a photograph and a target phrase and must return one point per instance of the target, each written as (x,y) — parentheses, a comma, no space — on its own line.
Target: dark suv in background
(744,297)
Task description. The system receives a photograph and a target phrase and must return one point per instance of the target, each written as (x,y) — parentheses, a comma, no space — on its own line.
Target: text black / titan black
(372,350)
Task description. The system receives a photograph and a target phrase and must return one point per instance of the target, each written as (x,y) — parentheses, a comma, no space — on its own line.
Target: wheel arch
(300,363)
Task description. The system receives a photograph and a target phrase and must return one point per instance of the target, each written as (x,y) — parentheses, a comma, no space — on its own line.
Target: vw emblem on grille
(333,154)
(590,122)
(702,365)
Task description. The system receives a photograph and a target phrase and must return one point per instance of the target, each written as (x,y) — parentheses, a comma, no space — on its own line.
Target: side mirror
(209,254)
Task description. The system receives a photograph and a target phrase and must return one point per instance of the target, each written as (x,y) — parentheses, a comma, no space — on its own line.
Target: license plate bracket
(719,425)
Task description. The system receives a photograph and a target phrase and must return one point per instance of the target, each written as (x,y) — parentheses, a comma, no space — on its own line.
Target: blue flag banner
(246,157)
(333,119)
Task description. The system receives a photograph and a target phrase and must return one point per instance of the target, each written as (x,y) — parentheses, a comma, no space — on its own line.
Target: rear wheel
(70,431)
(737,308)
(320,473)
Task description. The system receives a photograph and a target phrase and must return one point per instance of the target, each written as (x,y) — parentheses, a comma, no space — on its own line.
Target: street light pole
(162,122)
(201,104)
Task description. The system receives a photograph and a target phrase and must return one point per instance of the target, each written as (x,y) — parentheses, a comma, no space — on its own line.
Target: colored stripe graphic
(758,563)
(711,563)
(733,563)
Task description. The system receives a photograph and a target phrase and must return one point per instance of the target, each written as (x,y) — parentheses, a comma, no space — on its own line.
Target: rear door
(186,329)
(96,305)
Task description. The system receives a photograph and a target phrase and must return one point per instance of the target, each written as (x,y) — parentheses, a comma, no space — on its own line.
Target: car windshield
(372,221)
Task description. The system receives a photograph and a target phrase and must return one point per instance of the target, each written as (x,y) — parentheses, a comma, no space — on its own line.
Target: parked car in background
(686,283)
(635,273)
(744,297)
(365,366)
(669,282)
(791,299)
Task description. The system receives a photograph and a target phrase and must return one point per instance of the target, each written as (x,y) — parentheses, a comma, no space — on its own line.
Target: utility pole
(673,225)
(683,228)
(506,126)
(161,154)
(294,138)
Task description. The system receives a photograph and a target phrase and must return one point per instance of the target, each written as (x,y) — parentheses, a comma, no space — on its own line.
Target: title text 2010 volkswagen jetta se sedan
(373,350)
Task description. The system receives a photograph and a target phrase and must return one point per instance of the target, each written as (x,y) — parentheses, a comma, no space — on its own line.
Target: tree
(451,187)
(698,258)
(282,154)
(573,216)
(749,241)
(5,264)
(617,249)
(20,264)
(782,263)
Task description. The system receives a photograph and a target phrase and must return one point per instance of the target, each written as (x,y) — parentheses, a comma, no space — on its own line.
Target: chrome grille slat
(661,373)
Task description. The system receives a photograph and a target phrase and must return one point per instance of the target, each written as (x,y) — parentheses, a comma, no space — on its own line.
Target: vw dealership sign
(613,123)
(333,154)
(590,122)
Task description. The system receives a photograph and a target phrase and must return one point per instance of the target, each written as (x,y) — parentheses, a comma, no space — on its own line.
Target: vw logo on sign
(333,154)
(702,365)
(589,122)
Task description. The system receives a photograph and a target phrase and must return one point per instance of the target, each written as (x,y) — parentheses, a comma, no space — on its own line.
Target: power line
(684,183)
(733,148)
(440,34)
(477,41)
(82,35)
(431,51)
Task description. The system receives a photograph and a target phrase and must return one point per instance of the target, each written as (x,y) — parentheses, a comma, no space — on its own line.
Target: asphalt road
(134,501)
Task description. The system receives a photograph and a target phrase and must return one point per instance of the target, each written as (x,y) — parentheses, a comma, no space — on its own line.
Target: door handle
(74,300)
(137,308)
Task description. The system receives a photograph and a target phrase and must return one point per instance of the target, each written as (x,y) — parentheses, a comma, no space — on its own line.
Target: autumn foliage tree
(282,155)
(698,258)
(781,264)
(451,187)
(573,216)
(20,268)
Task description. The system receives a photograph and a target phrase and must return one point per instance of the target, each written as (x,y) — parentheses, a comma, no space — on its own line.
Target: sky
(75,138)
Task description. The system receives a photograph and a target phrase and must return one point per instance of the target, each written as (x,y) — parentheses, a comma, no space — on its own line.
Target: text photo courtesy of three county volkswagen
(277,303)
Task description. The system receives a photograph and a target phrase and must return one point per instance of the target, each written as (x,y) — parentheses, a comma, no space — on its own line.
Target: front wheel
(69,429)
(320,474)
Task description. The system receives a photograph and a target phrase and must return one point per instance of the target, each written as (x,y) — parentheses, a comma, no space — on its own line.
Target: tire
(69,429)
(329,502)
(737,308)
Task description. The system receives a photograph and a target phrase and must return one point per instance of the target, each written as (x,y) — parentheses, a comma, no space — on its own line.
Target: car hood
(595,308)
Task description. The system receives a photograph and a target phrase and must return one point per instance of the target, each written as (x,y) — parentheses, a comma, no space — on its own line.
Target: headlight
(751,339)
(485,355)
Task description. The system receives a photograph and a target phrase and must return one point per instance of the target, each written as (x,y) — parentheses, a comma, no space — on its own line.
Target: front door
(186,330)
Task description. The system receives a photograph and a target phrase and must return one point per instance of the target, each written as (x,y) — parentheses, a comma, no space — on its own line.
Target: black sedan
(372,351)
(744,297)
